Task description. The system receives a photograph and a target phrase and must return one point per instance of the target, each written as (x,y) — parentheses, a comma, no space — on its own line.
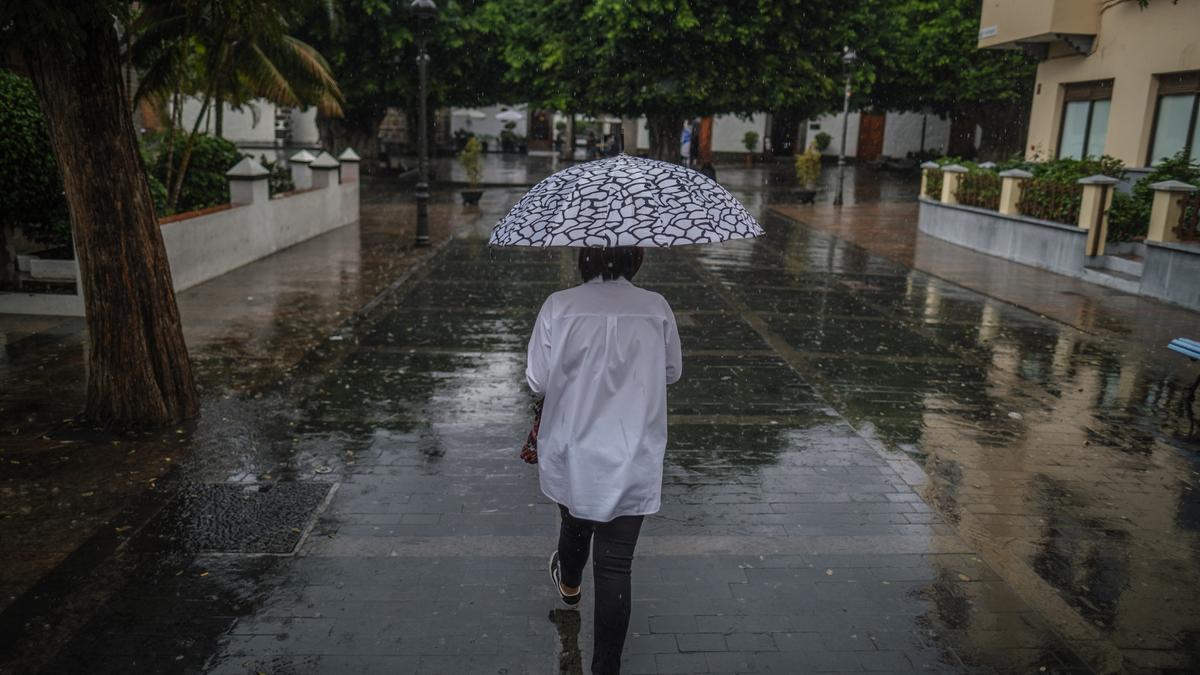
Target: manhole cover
(237,518)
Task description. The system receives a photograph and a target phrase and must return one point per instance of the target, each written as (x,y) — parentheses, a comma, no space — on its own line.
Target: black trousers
(613,543)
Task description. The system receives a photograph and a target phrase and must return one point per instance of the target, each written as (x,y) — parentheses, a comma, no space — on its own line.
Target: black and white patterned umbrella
(625,201)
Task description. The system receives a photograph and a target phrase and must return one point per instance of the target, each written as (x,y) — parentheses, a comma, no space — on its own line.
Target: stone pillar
(349,160)
(1165,214)
(248,183)
(324,171)
(1012,184)
(925,169)
(299,162)
(1093,211)
(950,176)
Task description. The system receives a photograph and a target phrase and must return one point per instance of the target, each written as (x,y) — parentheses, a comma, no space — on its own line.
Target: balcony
(1035,25)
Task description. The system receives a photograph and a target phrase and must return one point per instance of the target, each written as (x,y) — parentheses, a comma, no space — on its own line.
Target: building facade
(1114,79)
(260,128)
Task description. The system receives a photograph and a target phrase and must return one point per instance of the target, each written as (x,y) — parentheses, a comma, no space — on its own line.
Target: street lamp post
(426,12)
(848,58)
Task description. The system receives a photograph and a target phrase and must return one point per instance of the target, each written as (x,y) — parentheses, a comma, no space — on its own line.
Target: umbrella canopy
(510,116)
(625,201)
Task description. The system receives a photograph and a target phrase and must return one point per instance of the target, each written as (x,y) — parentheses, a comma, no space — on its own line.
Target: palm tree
(225,52)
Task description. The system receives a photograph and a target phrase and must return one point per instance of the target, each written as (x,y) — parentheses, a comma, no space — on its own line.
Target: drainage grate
(236,518)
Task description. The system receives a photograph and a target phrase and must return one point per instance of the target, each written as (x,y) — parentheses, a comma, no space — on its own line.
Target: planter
(471,197)
(805,195)
(53,270)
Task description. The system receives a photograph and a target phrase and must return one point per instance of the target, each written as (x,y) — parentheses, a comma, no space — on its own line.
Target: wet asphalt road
(799,531)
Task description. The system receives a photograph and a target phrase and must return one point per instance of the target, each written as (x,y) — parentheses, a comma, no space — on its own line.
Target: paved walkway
(871,468)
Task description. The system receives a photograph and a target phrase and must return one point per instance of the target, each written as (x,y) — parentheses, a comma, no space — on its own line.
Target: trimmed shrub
(280,179)
(1054,193)
(205,184)
(31,193)
(979,188)
(1129,215)
(750,141)
(933,184)
(822,139)
(1188,228)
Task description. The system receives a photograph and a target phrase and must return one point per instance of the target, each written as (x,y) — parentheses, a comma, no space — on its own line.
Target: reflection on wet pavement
(1052,528)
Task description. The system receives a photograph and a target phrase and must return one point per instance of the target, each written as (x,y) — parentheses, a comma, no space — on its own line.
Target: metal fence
(979,189)
(1051,200)
(1188,228)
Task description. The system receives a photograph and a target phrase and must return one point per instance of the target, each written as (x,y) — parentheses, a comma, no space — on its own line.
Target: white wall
(237,126)
(251,135)
(304,127)
(832,125)
(208,246)
(728,131)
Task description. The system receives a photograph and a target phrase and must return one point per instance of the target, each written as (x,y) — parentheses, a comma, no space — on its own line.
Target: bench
(1190,349)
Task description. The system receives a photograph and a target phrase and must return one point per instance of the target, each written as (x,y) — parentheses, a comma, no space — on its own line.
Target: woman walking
(602,354)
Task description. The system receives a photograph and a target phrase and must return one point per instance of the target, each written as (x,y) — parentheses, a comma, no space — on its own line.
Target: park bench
(1190,349)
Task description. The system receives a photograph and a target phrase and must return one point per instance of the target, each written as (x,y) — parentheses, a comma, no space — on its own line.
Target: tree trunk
(8,254)
(664,136)
(186,157)
(139,373)
(219,123)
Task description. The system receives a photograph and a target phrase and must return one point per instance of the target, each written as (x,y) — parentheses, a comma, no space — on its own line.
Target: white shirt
(603,354)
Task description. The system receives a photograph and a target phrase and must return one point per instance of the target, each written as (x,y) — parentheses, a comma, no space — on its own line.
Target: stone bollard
(324,171)
(1012,184)
(349,160)
(950,176)
(299,162)
(1093,211)
(248,183)
(1166,211)
(925,169)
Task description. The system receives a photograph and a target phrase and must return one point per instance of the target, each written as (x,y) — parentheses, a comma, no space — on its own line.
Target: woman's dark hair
(610,263)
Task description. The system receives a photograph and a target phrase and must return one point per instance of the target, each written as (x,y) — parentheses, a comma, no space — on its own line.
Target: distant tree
(371,49)
(138,367)
(673,59)
(930,62)
(226,51)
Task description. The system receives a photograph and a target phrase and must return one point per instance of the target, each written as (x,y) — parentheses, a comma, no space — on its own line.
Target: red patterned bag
(529,450)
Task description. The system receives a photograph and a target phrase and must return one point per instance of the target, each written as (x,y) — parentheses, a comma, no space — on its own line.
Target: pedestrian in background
(602,354)
(693,154)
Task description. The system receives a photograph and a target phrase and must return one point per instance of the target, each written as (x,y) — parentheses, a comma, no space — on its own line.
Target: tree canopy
(371,48)
(688,58)
(931,62)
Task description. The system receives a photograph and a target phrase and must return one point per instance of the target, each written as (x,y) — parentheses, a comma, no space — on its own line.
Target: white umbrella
(625,201)
(510,116)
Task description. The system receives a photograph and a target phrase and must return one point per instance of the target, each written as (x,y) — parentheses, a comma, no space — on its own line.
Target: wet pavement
(876,463)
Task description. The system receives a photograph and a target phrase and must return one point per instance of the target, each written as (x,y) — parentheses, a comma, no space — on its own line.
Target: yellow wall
(1005,21)
(1133,46)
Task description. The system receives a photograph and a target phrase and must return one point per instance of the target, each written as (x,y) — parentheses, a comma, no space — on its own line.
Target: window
(1175,125)
(1085,119)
